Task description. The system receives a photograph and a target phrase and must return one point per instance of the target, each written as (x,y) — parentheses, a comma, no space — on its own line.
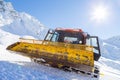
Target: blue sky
(74,14)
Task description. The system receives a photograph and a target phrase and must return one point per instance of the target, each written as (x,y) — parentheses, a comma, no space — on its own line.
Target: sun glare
(99,13)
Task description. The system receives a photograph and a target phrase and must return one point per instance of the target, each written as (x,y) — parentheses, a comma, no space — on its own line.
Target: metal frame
(96,56)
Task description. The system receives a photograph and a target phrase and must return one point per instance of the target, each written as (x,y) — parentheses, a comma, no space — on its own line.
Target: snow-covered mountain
(114,41)
(111,48)
(19,23)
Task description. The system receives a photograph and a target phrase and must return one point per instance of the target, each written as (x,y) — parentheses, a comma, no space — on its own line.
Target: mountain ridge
(19,23)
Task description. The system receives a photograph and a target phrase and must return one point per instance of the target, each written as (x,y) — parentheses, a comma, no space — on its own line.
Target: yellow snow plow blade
(56,53)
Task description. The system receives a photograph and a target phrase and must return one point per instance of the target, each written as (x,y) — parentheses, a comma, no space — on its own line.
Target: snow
(7,38)
(5,9)
(22,73)
(27,37)
(19,23)
(109,69)
(114,41)
(14,25)
(111,51)
(25,25)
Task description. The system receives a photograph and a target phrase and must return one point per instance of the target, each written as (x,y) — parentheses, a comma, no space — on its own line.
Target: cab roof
(68,30)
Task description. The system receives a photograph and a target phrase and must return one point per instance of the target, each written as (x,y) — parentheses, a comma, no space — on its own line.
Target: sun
(99,13)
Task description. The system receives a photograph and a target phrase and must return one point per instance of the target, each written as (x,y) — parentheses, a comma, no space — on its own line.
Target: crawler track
(94,74)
